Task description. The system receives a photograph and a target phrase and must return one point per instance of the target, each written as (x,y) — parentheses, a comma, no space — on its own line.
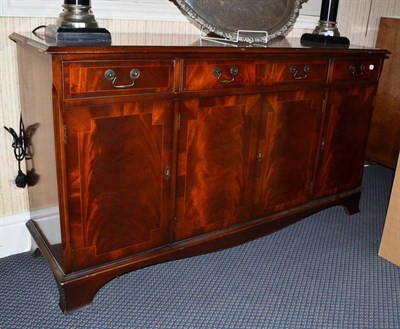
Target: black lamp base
(318,40)
(64,36)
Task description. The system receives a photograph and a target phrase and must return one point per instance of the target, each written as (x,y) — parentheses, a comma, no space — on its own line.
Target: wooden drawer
(291,71)
(110,78)
(217,74)
(356,69)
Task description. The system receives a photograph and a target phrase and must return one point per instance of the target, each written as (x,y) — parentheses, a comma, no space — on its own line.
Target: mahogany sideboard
(155,149)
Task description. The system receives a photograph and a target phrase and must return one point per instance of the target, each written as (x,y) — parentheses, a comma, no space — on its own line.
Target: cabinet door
(288,143)
(344,139)
(216,158)
(118,179)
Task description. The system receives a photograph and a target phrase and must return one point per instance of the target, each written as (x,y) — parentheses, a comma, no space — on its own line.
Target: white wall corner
(14,236)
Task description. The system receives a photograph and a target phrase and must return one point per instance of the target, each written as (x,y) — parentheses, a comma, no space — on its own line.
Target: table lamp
(76,25)
(326,32)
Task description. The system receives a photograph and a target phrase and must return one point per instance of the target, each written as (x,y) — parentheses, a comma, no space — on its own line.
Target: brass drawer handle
(353,70)
(293,70)
(234,71)
(110,75)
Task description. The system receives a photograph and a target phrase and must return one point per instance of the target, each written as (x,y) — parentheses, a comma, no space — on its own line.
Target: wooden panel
(215,163)
(390,243)
(287,150)
(346,127)
(296,71)
(356,69)
(119,196)
(87,78)
(384,137)
(198,75)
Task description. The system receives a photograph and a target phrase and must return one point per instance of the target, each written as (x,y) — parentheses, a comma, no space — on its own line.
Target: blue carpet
(322,272)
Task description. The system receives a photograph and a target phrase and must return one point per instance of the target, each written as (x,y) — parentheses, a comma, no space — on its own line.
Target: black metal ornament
(19,152)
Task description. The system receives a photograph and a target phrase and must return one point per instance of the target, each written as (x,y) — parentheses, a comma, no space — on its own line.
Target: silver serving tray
(244,20)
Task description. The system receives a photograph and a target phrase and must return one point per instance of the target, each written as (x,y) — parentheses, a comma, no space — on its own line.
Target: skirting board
(14,236)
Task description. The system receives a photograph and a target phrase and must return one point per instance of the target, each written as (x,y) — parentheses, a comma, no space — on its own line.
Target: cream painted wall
(354,22)
(359,19)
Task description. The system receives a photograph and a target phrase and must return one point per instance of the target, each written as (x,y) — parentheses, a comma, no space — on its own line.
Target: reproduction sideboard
(151,150)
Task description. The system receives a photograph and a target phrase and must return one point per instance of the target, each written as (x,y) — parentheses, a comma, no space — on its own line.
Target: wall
(356,21)
(359,20)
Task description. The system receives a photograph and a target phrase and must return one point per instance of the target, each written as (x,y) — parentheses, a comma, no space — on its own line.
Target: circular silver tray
(244,20)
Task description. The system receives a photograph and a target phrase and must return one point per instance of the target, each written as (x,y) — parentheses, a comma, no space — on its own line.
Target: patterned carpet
(323,272)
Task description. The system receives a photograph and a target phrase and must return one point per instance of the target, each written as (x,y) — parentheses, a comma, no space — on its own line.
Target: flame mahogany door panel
(216,158)
(119,179)
(287,149)
(344,140)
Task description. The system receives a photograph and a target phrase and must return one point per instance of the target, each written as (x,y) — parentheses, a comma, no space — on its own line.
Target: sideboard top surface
(180,43)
